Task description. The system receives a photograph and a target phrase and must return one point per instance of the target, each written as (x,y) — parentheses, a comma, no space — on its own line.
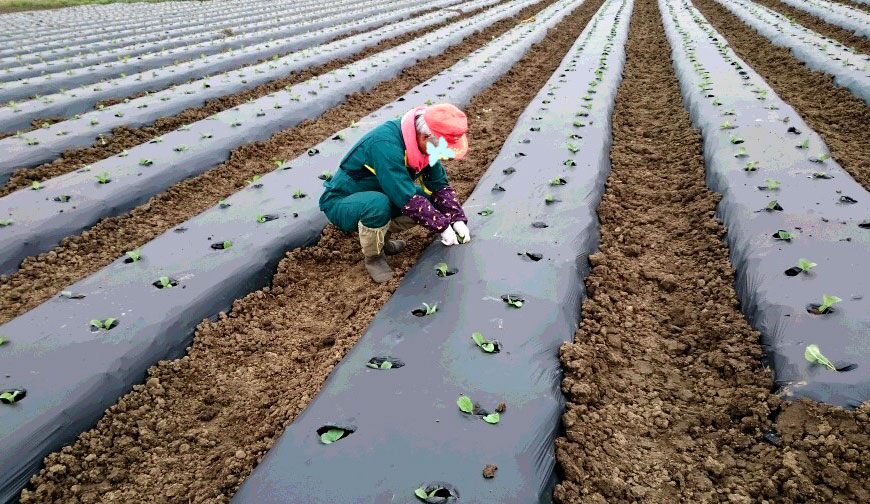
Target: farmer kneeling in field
(375,190)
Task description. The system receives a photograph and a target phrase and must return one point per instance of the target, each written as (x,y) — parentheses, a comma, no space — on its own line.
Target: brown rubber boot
(393,247)
(372,241)
(378,268)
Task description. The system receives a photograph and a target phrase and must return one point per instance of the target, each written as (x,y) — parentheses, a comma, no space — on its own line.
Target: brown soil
(858,5)
(125,138)
(834,113)
(666,398)
(847,37)
(198,426)
(77,256)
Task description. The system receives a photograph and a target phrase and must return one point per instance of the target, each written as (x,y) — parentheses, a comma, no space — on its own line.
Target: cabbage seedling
(223,204)
(441,269)
(104,324)
(773,205)
(815,356)
(492,418)
(726,125)
(181,148)
(146,162)
(436,491)
(573,148)
(558,181)
(736,140)
(430,309)
(3,340)
(298,194)
(804,145)
(134,255)
(35,185)
(384,365)
(5,222)
(772,184)
(254,181)
(486,345)
(827,303)
(327,175)
(339,136)
(806,265)
(784,235)
(203,136)
(12,396)
(332,435)
(124,153)
(751,166)
(485,212)
(741,152)
(165,282)
(103,178)
(821,158)
(515,301)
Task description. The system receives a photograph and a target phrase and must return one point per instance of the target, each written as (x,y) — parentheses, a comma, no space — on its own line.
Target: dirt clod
(489,471)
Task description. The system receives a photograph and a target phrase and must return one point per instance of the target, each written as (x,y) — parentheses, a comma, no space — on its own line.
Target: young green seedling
(421,492)
(484,344)
(814,355)
(485,212)
(146,162)
(784,235)
(298,194)
(772,184)
(726,125)
(821,158)
(492,418)
(5,222)
(203,136)
(806,265)
(223,204)
(253,181)
(513,301)
(736,140)
(3,340)
(103,178)
(751,166)
(103,324)
(773,205)
(441,269)
(573,148)
(134,255)
(430,309)
(35,185)
(804,145)
(827,302)
(124,153)
(741,152)
(558,181)
(181,148)
(11,396)
(332,435)
(339,136)
(165,282)
(384,365)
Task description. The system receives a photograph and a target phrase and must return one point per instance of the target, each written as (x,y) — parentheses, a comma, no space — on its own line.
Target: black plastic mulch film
(72,371)
(408,433)
(783,200)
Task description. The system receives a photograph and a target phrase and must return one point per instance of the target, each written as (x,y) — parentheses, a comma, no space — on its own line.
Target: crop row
(47,143)
(514,297)
(41,216)
(797,222)
(849,68)
(26,64)
(207,262)
(98,29)
(59,81)
(836,13)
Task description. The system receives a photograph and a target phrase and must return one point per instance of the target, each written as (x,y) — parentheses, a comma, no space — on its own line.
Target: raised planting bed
(849,68)
(836,13)
(191,45)
(798,224)
(114,185)
(480,381)
(94,74)
(95,29)
(46,144)
(165,37)
(214,258)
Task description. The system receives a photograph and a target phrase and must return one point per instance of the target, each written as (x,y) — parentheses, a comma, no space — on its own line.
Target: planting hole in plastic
(534,256)
(170,282)
(437,492)
(63,198)
(813,308)
(12,396)
(385,362)
(540,225)
(509,170)
(793,271)
(221,245)
(331,433)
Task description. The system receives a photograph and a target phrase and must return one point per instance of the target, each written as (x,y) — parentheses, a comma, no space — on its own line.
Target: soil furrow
(857,5)
(666,400)
(124,137)
(45,275)
(844,36)
(197,427)
(833,112)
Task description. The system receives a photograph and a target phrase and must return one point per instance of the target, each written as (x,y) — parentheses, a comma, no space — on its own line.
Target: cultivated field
(666,299)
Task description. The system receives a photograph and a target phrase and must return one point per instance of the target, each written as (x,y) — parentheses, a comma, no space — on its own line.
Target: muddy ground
(123,138)
(252,371)
(666,399)
(77,256)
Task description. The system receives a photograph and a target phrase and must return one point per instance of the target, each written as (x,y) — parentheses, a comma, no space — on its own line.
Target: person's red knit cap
(446,120)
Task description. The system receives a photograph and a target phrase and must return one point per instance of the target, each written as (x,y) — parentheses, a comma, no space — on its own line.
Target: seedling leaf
(492,418)
(827,302)
(331,436)
(441,269)
(134,255)
(386,365)
(421,493)
(814,355)
(485,212)
(465,404)
(806,265)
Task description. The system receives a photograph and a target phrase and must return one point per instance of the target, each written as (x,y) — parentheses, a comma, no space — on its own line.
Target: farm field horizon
(513,251)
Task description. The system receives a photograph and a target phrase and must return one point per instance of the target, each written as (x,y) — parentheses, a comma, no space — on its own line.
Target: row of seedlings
(798,227)
(39,217)
(43,78)
(849,68)
(144,307)
(95,28)
(475,383)
(836,13)
(26,150)
(133,45)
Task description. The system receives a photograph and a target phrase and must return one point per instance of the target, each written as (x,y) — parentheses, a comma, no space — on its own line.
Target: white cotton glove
(448,237)
(462,231)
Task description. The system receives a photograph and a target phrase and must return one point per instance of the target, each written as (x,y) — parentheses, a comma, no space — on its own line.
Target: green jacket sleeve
(389,164)
(434,177)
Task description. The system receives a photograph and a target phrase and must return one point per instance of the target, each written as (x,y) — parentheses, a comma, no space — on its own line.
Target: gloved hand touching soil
(462,232)
(448,237)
